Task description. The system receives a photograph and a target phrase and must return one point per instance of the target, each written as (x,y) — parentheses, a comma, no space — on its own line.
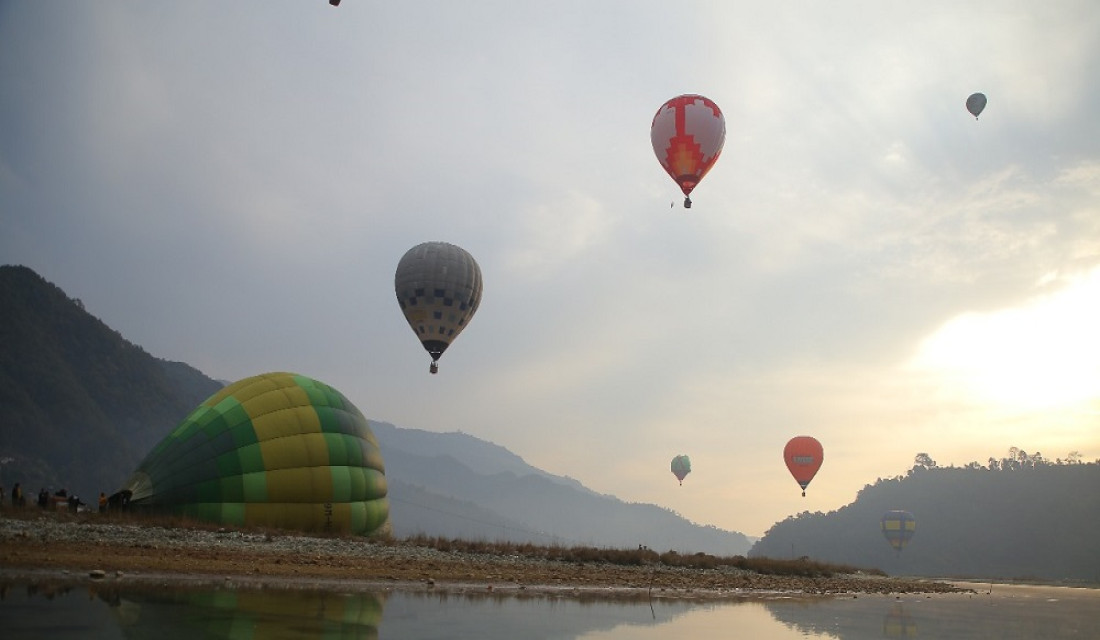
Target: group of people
(17,497)
(60,498)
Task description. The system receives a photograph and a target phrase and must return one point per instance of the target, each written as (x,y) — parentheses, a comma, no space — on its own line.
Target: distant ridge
(530,505)
(479,455)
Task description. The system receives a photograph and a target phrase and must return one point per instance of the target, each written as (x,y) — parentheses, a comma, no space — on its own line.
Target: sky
(232,184)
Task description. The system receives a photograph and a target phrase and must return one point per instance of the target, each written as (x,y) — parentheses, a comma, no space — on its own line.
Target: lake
(77,607)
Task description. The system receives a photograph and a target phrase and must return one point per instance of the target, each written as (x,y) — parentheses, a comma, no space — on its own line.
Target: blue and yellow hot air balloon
(278,450)
(898,527)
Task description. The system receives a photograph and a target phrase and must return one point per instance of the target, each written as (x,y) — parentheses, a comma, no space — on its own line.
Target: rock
(97,574)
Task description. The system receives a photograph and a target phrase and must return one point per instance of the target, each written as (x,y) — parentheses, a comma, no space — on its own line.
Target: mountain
(523,503)
(1019,517)
(485,457)
(80,406)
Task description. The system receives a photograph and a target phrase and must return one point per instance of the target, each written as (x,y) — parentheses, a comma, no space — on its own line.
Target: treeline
(1016,459)
(1019,516)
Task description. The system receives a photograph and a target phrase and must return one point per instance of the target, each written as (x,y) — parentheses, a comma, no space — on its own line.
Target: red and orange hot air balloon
(687,134)
(803,456)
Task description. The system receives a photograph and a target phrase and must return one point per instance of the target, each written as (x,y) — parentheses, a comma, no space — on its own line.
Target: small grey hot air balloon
(975,104)
(438,286)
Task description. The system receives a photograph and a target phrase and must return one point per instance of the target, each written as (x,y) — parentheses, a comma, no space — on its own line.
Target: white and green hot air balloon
(681,467)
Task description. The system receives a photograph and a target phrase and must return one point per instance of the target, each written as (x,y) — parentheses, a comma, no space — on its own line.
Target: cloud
(1042,355)
(240,201)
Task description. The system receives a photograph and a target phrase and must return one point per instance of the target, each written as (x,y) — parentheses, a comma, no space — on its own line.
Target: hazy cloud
(232,185)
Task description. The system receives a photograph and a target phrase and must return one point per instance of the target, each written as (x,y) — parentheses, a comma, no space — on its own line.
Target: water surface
(83,608)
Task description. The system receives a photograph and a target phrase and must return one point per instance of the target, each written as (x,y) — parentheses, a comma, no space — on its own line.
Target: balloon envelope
(681,466)
(279,450)
(687,134)
(898,527)
(975,104)
(803,456)
(438,287)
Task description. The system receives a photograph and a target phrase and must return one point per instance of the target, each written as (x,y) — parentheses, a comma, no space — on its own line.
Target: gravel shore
(132,552)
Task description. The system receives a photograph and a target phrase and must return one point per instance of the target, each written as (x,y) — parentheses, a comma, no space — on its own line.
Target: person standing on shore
(17,496)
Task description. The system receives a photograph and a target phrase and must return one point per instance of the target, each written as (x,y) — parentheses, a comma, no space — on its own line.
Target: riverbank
(117,551)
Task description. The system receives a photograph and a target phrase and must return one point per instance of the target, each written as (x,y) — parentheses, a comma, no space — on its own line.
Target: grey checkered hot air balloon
(438,286)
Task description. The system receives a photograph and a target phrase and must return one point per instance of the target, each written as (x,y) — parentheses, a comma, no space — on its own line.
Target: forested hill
(1018,517)
(79,404)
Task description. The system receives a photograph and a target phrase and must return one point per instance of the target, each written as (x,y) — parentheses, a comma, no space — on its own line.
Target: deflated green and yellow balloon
(279,450)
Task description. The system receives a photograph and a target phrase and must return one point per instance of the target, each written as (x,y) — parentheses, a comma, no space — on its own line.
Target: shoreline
(45,548)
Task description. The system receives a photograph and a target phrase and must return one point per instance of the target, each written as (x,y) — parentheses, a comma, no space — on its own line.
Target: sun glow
(1039,356)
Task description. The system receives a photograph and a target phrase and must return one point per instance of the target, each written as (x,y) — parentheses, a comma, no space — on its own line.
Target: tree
(924,460)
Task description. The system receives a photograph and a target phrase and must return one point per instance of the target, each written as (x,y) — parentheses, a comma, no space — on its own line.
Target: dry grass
(804,567)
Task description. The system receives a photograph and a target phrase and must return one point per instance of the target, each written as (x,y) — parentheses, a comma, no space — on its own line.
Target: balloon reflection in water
(898,624)
(243,613)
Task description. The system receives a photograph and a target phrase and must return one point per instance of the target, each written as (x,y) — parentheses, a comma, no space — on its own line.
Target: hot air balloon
(803,456)
(898,623)
(438,286)
(898,527)
(975,104)
(687,135)
(278,450)
(681,466)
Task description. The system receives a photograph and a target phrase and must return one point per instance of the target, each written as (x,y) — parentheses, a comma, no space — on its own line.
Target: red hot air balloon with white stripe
(803,456)
(687,134)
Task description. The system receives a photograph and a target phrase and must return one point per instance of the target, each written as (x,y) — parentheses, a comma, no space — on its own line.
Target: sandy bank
(48,546)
